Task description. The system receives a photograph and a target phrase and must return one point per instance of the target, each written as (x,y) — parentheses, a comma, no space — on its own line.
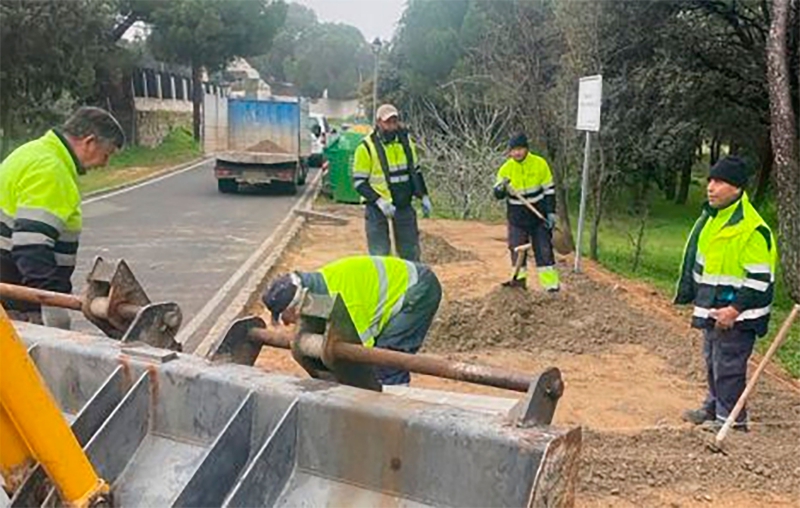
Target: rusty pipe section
(41,296)
(98,306)
(313,344)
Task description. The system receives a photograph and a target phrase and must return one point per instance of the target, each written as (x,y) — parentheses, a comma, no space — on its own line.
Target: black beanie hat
(279,295)
(519,140)
(732,170)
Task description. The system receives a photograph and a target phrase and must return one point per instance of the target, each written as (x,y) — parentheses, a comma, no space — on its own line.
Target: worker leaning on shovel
(527,177)
(728,273)
(386,173)
(391,301)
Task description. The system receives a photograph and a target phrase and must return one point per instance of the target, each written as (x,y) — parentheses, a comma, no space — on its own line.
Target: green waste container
(339,155)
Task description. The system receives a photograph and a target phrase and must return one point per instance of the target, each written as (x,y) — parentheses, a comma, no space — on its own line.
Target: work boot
(716,425)
(698,416)
(515,283)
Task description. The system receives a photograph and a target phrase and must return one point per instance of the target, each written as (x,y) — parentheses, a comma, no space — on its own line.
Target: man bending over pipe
(391,301)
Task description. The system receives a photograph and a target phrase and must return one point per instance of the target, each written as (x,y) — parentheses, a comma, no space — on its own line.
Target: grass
(139,162)
(666,230)
(135,163)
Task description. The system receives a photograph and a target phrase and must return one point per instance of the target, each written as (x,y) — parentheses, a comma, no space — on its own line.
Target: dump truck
(140,422)
(267,143)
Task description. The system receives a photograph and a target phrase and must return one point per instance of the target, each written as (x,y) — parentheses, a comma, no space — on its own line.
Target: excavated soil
(438,251)
(628,358)
(586,317)
(266,146)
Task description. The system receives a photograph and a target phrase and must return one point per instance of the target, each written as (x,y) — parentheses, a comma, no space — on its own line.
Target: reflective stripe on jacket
(369,174)
(373,290)
(533,180)
(730,259)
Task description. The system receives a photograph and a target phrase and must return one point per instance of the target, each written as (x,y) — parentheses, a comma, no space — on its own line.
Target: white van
(321,134)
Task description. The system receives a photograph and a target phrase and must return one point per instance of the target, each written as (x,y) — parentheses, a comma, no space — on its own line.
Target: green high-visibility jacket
(40,214)
(531,179)
(730,259)
(373,289)
(374,159)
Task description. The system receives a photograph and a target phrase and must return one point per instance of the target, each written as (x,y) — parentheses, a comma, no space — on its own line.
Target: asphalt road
(180,236)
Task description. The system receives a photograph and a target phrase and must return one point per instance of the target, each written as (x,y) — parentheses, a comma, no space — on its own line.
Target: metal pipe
(41,296)
(311,344)
(98,307)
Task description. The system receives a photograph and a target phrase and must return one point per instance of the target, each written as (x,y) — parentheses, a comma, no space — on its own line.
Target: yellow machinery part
(32,428)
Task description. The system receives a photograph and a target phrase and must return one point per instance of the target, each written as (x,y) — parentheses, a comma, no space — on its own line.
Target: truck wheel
(301,178)
(227,186)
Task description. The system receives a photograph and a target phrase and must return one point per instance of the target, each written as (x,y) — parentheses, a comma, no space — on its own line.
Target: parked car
(321,136)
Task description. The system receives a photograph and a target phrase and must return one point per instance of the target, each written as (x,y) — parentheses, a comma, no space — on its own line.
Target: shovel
(560,241)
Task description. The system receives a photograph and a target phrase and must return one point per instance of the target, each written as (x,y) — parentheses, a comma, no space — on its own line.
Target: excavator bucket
(164,428)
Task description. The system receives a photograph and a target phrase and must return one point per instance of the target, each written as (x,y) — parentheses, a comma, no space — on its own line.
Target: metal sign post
(590,93)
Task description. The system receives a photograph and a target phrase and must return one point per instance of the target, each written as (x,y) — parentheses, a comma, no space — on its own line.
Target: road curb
(108,190)
(264,259)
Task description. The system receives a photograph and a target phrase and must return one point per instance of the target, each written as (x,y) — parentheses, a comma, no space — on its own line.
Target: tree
(785,135)
(210,33)
(317,56)
(332,57)
(294,34)
(49,50)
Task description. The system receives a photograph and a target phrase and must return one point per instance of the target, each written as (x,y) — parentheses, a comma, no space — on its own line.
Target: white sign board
(590,94)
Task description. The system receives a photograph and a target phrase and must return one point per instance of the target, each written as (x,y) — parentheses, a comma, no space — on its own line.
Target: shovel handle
(782,334)
(527,203)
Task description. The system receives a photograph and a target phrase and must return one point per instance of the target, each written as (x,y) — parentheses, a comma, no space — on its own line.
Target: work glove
(501,189)
(427,206)
(386,207)
(551,220)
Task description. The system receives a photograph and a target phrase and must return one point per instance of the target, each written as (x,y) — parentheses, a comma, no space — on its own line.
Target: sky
(375,18)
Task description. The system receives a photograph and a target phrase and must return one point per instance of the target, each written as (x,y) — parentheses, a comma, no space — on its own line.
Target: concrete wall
(215,124)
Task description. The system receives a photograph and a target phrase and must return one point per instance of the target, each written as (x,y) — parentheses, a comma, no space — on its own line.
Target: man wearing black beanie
(728,273)
(527,176)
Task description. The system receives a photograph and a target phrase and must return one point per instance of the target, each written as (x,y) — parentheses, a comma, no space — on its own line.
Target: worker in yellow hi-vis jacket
(529,176)
(40,207)
(391,301)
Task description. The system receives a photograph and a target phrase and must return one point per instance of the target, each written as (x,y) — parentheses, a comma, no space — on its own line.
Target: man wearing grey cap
(386,174)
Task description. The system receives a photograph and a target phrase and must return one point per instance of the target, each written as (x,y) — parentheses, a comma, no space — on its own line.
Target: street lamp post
(376,49)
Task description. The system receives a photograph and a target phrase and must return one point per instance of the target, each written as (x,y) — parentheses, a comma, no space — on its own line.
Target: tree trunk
(197,102)
(784,147)
(670,184)
(113,92)
(764,175)
(562,208)
(594,254)
(686,180)
(716,147)
(8,126)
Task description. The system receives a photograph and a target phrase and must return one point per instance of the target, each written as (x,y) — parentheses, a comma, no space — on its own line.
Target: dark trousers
(540,238)
(407,329)
(726,353)
(406,232)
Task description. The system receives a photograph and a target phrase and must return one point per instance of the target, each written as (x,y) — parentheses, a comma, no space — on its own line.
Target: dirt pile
(585,317)
(438,251)
(629,464)
(266,146)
